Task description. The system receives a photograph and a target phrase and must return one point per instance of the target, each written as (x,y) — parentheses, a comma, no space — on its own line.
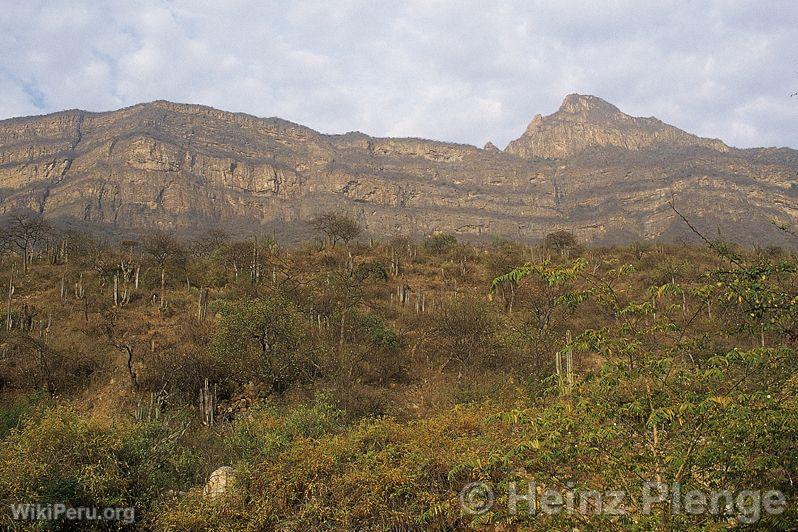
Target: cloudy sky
(444,69)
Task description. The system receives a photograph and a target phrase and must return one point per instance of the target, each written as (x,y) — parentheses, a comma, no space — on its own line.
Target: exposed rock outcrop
(588,168)
(585,122)
(219,482)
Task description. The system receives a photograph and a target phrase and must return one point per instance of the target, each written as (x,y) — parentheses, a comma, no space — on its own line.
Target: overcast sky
(443,69)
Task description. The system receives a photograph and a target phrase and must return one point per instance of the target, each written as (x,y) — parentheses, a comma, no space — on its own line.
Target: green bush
(59,456)
(371,269)
(264,431)
(440,243)
(14,411)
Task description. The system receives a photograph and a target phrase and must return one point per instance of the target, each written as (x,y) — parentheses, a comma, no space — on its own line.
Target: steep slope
(584,122)
(588,168)
(185,165)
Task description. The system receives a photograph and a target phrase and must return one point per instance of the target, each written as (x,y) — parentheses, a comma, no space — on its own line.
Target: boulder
(219,482)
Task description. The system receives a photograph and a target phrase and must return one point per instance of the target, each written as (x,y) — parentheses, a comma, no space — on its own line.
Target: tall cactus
(163,289)
(565,368)
(202,304)
(207,404)
(9,320)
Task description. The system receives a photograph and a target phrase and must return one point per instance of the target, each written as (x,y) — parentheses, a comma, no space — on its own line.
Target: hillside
(588,168)
(372,387)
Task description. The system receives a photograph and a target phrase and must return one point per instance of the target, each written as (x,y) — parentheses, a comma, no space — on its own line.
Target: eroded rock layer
(588,168)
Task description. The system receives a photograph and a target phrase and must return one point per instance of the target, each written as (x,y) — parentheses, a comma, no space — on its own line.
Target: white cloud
(15,101)
(463,71)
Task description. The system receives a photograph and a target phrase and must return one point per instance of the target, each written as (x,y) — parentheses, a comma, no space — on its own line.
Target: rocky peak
(491,147)
(587,105)
(583,122)
(186,167)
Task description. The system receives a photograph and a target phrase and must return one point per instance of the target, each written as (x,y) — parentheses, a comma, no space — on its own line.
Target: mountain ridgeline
(587,168)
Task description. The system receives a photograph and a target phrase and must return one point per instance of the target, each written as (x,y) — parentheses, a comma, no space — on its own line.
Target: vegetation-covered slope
(365,385)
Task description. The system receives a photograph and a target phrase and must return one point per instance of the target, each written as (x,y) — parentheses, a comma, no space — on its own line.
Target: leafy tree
(559,241)
(336,227)
(759,290)
(261,339)
(552,288)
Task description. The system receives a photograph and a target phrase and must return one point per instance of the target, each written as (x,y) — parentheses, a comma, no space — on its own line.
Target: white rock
(219,482)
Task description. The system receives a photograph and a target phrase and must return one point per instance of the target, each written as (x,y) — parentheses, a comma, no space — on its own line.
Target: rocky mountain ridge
(587,168)
(584,122)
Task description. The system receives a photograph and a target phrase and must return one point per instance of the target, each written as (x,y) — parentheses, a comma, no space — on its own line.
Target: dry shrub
(461,332)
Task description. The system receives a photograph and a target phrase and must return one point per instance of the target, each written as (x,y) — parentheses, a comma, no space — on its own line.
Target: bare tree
(44,364)
(5,241)
(208,242)
(162,247)
(21,231)
(117,337)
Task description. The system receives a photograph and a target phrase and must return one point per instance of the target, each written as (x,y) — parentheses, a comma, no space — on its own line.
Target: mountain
(587,168)
(585,122)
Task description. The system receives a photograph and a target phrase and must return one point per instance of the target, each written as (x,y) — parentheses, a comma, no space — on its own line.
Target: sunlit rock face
(588,168)
(585,122)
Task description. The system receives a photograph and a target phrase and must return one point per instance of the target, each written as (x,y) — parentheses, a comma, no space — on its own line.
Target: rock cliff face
(588,168)
(585,122)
